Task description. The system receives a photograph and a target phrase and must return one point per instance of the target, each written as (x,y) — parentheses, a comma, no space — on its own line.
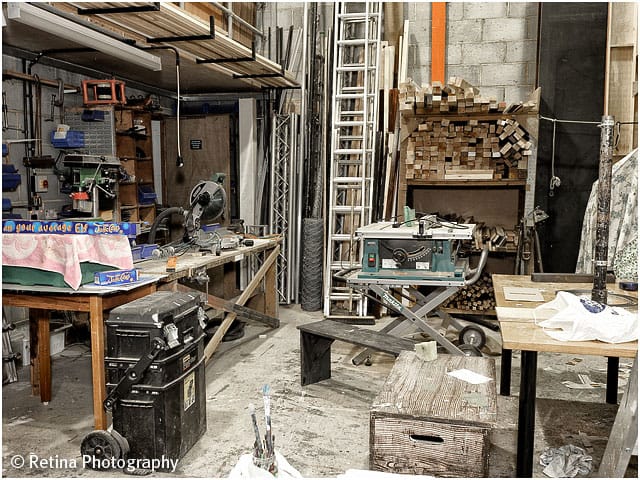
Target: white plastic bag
(572,318)
(246,470)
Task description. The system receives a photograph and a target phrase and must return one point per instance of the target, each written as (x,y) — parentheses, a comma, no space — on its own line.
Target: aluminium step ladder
(354,125)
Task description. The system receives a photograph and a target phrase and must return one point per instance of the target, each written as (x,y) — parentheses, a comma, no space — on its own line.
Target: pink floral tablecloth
(64,253)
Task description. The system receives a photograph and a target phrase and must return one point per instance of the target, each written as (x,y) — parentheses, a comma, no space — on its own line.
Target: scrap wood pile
(468,150)
(453,148)
(496,238)
(455,96)
(477,297)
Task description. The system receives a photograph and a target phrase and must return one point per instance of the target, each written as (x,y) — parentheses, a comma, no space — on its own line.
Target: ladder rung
(348,208)
(344,264)
(343,237)
(357,41)
(348,96)
(357,15)
(352,151)
(352,123)
(352,113)
(354,68)
(349,179)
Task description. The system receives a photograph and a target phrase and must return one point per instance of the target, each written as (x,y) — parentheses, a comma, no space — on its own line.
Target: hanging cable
(555,181)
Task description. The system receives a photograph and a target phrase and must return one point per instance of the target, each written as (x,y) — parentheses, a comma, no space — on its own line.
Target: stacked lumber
(468,149)
(477,297)
(457,96)
(496,238)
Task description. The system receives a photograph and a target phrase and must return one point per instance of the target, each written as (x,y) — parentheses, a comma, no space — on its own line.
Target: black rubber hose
(164,214)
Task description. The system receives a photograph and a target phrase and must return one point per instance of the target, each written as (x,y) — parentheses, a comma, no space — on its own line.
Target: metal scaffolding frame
(282,220)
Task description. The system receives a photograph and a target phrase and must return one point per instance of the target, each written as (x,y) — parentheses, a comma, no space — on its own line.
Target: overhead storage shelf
(164,23)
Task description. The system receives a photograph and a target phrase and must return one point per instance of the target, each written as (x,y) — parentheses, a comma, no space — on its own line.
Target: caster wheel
(470,350)
(471,335)
(367,361)
(103,448)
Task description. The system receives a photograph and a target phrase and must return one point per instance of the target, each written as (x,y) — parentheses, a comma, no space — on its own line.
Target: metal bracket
(154,7)
(187,38)
(252,58)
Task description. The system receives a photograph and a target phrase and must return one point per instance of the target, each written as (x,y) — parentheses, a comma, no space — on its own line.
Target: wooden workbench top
(520,332)
(529,336)
(189,262)
(522,311)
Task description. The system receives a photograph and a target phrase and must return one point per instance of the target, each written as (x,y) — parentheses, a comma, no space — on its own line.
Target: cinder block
(454,53)
(297,19)
(418,35)
(521,51)
(522,9)
(505,74)
(495,92)
(504,29)
(465,31)
(485,10)
(517,93)
(474,53)
(455,11)
(532,28)
(471,73)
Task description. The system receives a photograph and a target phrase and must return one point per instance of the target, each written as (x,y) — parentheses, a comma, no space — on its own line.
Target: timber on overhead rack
(178,28)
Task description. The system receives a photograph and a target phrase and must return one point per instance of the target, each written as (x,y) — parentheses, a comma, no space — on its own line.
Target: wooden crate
(425,422)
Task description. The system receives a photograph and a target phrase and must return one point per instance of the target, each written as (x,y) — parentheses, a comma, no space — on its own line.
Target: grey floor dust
(322,429)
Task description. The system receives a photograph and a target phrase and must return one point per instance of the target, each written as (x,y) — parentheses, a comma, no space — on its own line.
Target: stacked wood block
(457,96)
(468,150)
(474,298)
(496,238)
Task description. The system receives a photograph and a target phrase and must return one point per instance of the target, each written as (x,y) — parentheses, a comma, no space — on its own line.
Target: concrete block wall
(492,45)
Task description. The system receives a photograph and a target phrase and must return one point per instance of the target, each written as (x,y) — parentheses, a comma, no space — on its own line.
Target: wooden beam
(438,40)
(242,299)
(230,306)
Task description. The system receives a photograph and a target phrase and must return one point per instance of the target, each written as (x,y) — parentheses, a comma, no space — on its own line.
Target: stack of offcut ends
(470,149)
(457,96)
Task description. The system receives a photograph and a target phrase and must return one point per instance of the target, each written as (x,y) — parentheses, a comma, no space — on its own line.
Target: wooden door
(205,148)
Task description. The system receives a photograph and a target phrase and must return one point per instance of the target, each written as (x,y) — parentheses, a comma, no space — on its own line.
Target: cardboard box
(116,277)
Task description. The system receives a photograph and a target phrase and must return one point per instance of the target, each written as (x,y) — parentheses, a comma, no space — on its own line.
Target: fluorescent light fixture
(61,27)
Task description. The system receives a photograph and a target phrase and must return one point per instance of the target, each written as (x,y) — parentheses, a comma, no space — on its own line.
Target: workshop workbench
(520,332)
(97,301)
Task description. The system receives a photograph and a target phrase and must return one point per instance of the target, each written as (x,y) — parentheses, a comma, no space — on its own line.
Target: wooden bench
(315,346)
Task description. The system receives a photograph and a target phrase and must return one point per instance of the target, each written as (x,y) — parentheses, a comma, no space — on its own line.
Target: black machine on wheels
(155,376)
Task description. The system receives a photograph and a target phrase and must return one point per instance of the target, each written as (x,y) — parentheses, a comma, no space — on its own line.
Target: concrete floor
(322,429)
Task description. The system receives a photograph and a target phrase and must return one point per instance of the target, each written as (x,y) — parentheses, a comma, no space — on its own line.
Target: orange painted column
(438,40)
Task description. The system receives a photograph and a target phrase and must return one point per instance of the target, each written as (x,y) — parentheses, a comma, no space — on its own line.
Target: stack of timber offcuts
(471,149)
(477,297)
(456,96)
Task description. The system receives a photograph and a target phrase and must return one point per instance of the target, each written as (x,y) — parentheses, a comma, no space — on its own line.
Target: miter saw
(207,202)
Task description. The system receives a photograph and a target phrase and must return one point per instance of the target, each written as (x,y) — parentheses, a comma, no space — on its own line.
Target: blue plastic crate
(74,139)
(10,177)
(146,195)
